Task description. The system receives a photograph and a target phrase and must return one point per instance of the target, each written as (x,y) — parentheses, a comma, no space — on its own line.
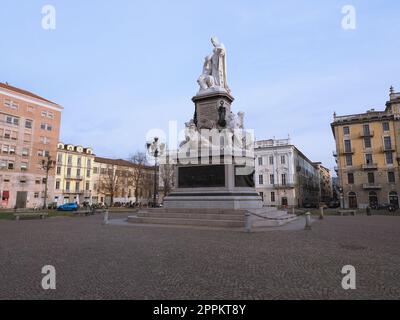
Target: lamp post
(155,148)
(47,165)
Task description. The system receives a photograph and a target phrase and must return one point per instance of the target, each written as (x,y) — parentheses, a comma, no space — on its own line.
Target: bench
(347,212)
(42,215)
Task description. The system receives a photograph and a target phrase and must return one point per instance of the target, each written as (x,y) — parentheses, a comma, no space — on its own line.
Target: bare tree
(110,182)
(167,176)
(139,173)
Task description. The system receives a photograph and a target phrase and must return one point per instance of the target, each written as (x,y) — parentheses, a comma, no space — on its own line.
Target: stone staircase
(215,218)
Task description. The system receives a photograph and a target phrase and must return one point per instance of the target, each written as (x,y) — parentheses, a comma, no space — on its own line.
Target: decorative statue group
(213,79)
(214,69)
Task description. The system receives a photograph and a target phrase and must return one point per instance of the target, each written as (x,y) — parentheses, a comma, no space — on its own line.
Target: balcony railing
(387,149)
(370,166)
(366,134)
(372,186)
(348,151)
(284,186)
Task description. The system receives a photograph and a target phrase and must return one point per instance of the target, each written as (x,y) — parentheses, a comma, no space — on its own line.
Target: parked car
(334,204)
(68,207)
(384,206)
(309,205)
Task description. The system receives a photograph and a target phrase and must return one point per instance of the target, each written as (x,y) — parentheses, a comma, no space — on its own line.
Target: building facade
(73,176)
(284,176)
(367,155)
(325,183)
(117,181)
(29,133)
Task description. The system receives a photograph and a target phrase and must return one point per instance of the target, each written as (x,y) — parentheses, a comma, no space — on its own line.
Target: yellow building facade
(73,176)
(367,155)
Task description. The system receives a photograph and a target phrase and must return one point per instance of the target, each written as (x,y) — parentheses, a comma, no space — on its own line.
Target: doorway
(22,197)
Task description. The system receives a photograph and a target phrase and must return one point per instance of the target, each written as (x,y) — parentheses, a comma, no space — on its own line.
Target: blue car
(68,207)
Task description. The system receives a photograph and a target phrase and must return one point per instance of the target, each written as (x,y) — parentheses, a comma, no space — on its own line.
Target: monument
(215,166)
(215,163)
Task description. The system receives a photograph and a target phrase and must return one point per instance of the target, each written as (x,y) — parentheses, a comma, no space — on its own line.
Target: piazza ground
(128,262)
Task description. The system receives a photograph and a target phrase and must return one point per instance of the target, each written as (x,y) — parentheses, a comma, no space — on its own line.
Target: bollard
(321,214)
(105,220)
(248,222)
(308,221)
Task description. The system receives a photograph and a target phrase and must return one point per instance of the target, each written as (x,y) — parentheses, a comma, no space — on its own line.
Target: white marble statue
(214,69)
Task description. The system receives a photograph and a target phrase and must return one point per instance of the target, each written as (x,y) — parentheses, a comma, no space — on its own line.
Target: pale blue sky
(120,68)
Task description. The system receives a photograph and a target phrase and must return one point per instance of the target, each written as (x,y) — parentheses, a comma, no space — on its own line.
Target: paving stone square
(93,261)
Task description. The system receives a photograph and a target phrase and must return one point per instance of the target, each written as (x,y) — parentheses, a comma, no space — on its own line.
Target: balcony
(385,149)
(367,134)
(348,151)
(372,186)
(71,177)
(370,166)
(284,186)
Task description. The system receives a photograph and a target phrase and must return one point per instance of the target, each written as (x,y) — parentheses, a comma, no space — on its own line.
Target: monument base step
(225,218)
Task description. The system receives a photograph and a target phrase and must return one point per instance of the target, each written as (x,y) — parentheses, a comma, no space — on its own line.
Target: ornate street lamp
(155,149)
(47,165)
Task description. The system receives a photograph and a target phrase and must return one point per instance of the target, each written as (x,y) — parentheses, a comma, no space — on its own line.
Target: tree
(139,172)
(110,182)
(167,176)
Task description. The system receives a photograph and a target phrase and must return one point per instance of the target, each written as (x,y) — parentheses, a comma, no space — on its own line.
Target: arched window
(394,198)
(373,198)
(353,200)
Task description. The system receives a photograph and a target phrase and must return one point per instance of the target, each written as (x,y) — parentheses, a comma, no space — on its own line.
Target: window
(367,142)
(368,158)
(12,149)
(271,160)
(387,142)
(25,152)
(24,166)
(30,109)
(271,179)
(11,104)
(10,165)
(46,126)
(283,159)
(347,145)
(391,177)
(95,170)
(349,160)
(87,186)
(36,195)
(389,158)
(346,130)
(88,173)
(371,177)
(89,163)
(67,185)
(58,170)
(77,186)
(44,140)
(366,129)
(28,124)
(78,172)
(350,178)
(59,158)
(5,148)
(385,126)
(7,134)
(68,172)
(284,179)
(272,196)
(57,185)
(69,159)
(79,161)
(260,161)
(37,181)
(12,120)
(261,179)
(47,114)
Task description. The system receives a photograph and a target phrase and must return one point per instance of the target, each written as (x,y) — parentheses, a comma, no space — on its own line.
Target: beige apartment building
(73,177)
(367,155)
(121,181)
(29,133)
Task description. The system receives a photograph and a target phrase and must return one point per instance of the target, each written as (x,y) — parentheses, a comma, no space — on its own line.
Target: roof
(24,92)
(117,162)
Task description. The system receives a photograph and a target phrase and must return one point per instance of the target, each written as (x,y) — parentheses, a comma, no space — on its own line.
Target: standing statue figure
(214,69)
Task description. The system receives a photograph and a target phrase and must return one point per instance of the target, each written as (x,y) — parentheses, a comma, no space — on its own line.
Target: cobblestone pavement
(119,262)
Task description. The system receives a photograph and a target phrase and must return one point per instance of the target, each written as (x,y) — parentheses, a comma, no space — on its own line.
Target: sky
(120,68)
